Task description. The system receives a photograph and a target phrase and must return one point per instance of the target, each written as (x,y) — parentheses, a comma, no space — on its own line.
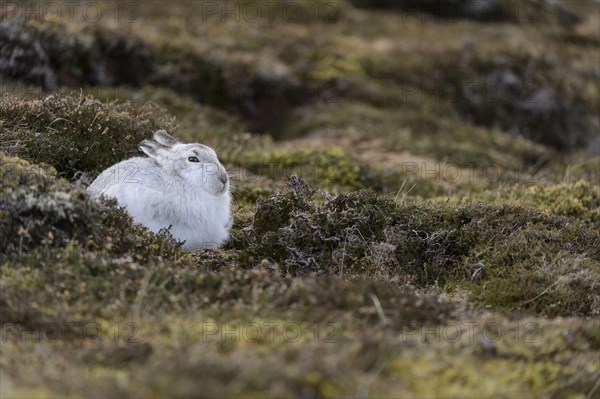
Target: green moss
(75,285)
(58,249)
(429,129)
(327,167)
(587,170)
(523,357)
(579,201)
(331,169)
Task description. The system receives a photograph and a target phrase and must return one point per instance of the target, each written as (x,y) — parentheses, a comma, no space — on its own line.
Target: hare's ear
(164,138)
(150,148)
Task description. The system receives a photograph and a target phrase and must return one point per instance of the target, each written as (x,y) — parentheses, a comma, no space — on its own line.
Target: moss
(59,54)
(556,286)
(41,211)
(373,282)
(518,268)
(525,357)
(331,169)
(73,285)
(508,88)
(558,281)
(38,209)
(359,233)
(73,257)
(328,167)
(195,122)
(76,133)
(54,54)
(229,72)
(579,201)
(238,80)
(57,247)
(430,130)
(588,169)
(403,184)
(247,188)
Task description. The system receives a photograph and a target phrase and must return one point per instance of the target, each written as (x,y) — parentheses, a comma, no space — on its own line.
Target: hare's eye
(193,159)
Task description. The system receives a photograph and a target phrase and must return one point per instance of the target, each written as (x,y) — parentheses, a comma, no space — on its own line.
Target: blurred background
(443,96)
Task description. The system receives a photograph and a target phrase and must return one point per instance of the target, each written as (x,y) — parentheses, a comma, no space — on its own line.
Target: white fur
(167,189)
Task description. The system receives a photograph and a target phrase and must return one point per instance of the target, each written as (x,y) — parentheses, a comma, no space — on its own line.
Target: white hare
(180,185)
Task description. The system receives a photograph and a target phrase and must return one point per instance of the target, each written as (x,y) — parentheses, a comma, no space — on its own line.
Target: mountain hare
(180,185)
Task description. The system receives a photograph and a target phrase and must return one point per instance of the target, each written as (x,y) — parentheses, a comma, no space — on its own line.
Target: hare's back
(130,176)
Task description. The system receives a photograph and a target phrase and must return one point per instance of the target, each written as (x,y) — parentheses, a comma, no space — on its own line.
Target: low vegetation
(388,241)
(75,133)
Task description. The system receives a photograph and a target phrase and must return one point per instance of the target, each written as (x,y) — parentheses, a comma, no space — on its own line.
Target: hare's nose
(223,178)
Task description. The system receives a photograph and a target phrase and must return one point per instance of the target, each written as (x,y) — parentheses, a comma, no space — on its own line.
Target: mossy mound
(67,258)
(526,95)
(250,90)
(87,288)
(332,169)
(74,285)
(509,88)
(531,354)
(519,357)
(362,234)
(42,212)
(52,55)
(432,130)
(54,241)
(328,167)
(76,133)
(579,201)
